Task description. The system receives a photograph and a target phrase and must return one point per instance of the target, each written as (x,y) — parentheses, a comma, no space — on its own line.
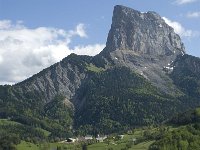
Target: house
(121,136)
(71,140)
(134,140)
(88,137)
(101,138)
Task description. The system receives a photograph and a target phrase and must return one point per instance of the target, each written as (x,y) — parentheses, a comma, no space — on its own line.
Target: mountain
(144,43)
(142,77)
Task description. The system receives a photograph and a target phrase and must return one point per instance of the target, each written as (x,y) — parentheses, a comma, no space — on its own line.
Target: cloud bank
(25,51)
(181,2)
(193,14)
(179,29)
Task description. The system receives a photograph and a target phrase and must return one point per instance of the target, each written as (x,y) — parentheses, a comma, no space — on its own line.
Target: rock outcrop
(145,43)
(142,33)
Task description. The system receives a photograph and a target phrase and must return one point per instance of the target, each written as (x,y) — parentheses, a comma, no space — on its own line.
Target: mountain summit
(143,33)
(144,43)
(141,77)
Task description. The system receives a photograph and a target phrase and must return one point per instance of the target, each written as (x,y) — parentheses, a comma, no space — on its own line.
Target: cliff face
(142,33)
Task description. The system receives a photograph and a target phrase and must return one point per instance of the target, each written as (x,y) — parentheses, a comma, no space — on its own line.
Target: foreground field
(127,142)
(103,146)
(47,146)
(98,146)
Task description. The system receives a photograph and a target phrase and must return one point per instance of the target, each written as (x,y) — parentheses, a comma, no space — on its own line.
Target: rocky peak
(142,33)
(142,42)
(145,43)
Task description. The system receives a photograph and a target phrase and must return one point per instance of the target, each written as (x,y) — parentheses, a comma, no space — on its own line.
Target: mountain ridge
(128,57)
(136,80)
(129,26)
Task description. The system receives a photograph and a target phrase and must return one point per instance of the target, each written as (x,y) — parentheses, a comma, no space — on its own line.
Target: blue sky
(55,28)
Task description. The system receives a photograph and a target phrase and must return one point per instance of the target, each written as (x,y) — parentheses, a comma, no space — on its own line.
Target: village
(112,141)
(87,138)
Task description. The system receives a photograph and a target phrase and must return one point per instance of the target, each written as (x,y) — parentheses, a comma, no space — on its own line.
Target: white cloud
(80,31)
(181,2)
(5,24)
(193,14)
(1,59)
(179,29)
(24,51)
(89,49)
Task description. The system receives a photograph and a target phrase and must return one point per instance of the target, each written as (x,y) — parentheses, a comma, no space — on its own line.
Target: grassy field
(121,144)
(142,146)
(46,133)
(47,146)
(93,68)
(104,146)
(111,144)
(26,145)
(98,146)
(7,122)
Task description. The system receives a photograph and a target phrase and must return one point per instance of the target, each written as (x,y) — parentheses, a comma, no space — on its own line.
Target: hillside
(188,117)
(186,75)
(185,135)
(118,99)
(142,77)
